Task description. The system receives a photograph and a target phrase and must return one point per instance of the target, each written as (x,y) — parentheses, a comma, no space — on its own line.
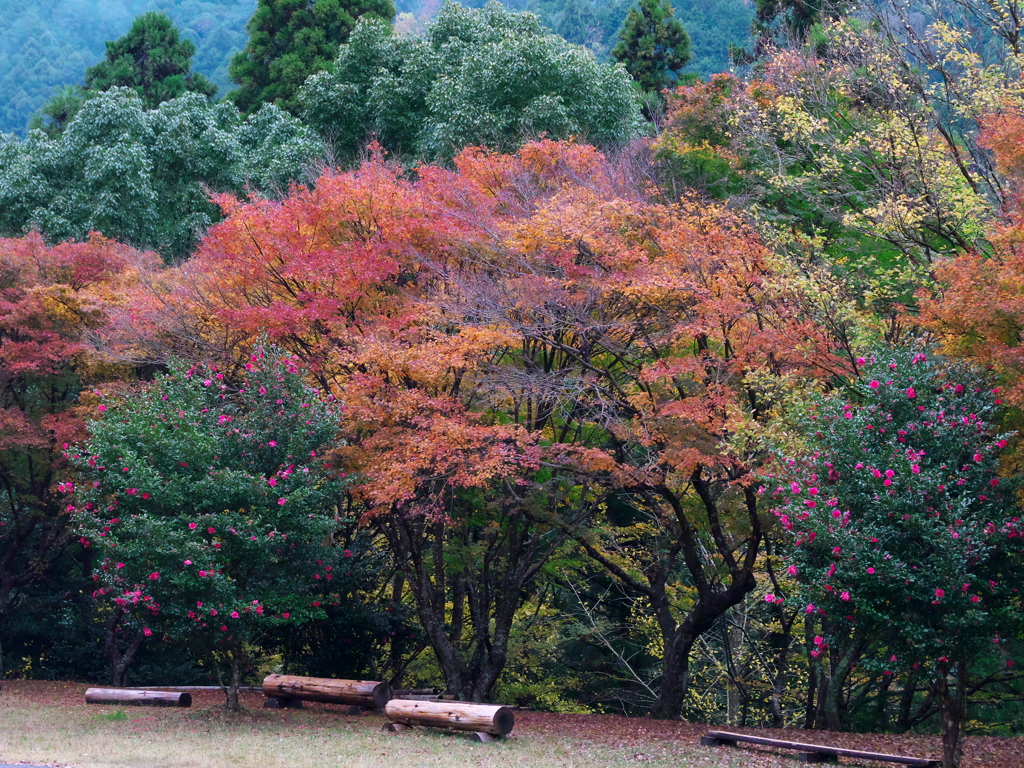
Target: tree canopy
(289,40)
(487,77)
(653,45)
(151,59)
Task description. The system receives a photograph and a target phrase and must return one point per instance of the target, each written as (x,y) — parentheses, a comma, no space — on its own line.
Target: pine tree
(653,45)
(153,60)
(289,40)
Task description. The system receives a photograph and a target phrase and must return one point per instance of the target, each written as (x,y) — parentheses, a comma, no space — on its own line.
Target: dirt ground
(619,732)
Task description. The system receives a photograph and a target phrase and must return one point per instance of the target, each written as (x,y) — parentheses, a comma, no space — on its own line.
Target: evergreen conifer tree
(289,40)
(153,60)
(653,45)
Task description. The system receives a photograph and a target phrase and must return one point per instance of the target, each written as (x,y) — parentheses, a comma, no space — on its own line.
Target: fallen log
(458,715)
(365,693)
(137,697)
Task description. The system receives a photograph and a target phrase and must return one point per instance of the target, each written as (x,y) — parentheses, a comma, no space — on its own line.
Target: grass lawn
(49,723)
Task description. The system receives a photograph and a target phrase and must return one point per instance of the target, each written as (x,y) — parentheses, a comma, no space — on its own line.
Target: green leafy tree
(653,45)
(144,176)
(210,507)
(289,40)
(153,60)
(902,528)
(485,77)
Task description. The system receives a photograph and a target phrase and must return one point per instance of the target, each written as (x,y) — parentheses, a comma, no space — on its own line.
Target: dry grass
(62,730)
(49,723)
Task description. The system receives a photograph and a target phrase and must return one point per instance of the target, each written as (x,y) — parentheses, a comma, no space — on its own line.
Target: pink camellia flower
(188,562)
(769,598)
(836,550)
(234,614)
(207,383)
(192,526)
(154,575)
(845,596)
(861,361)
(202,574)
(223,628)
(272,482)
(286,615)
(213,611)
(795,487)
(871,569)
(915,468)
(975,599)
(812,491)
(120,566)
(147,631)
(272,443)
(211,530)
(889,473)
(809,608)
(911,393)
(281,502)
(874,385)
(978,458)
(791,570)
(940,593)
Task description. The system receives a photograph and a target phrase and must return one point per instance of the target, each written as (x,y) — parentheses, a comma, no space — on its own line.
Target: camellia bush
(901,524)
(210,508)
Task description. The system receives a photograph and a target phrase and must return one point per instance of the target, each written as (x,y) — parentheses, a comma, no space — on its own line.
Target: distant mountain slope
(48,43)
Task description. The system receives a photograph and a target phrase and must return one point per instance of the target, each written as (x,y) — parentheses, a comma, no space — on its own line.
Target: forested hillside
(49,43)
(472,358)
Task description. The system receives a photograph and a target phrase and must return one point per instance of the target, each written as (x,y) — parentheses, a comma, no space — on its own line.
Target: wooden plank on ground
(733,738)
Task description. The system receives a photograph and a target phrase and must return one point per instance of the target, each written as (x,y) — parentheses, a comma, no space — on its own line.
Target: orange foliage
(979,312)
(540,286)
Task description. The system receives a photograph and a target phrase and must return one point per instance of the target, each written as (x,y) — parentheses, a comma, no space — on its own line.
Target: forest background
(460,355)
(49,43)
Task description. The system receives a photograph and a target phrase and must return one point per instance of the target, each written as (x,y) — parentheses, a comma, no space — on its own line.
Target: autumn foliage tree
(518,341)
(53,300)
(977,311)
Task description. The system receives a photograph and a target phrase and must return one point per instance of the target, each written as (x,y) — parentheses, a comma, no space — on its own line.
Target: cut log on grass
(459,715)
(364,693)
(138,698)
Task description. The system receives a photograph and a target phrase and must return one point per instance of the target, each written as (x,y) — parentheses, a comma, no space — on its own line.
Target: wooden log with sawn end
(458,715)
(363,693)
(138,698)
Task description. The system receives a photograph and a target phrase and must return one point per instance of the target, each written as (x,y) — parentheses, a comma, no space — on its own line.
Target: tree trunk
(953,713)
(119,661)
(231,704)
